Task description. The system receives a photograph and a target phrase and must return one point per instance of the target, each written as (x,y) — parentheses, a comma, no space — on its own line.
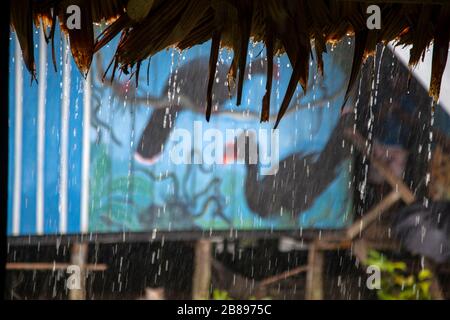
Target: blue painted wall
(123,196)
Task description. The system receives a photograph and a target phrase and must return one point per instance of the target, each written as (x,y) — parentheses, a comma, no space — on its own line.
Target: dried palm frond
(440,52)
(22,22)
(295,27)
(82,39)
(107,11)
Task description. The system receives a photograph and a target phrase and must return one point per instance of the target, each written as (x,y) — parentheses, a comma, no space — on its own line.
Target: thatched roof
(297,27)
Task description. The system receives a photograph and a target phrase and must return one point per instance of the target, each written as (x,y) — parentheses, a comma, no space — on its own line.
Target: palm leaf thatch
(295,27)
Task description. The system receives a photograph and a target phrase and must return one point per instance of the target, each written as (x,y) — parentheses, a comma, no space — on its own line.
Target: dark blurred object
(439,186)
(425,230)
(392,156)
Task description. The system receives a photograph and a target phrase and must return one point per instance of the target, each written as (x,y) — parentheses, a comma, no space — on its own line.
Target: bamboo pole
(43,266)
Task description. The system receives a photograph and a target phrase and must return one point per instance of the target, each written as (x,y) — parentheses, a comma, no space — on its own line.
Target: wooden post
(435,288)
(79,254)
(201,280)
(314,280)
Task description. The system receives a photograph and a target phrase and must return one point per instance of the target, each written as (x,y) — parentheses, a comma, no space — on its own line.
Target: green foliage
(220,295)
(397,283)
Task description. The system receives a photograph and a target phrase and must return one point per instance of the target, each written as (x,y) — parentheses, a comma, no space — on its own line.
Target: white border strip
(64,156)
(84,214)
(41,132)
(18,123)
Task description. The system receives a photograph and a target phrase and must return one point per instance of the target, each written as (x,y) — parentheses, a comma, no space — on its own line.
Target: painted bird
(300,178)
(191,83)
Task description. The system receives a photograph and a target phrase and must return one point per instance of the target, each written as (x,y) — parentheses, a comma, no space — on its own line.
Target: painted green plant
(113,205)
(397,283)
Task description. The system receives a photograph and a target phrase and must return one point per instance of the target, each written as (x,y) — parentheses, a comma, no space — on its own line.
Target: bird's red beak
(229,153)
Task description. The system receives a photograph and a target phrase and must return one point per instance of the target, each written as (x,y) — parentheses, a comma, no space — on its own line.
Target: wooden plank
(327,244)
(314,280)
(358,226)
(201,280)
(283,276)
(43,266)
(360,250)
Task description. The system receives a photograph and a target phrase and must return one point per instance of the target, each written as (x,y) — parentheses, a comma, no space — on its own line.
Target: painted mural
(91,155)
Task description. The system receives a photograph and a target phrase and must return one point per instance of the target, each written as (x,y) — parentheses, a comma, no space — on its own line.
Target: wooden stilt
(201,280)
(436,291)
(314,280)
(79,255)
